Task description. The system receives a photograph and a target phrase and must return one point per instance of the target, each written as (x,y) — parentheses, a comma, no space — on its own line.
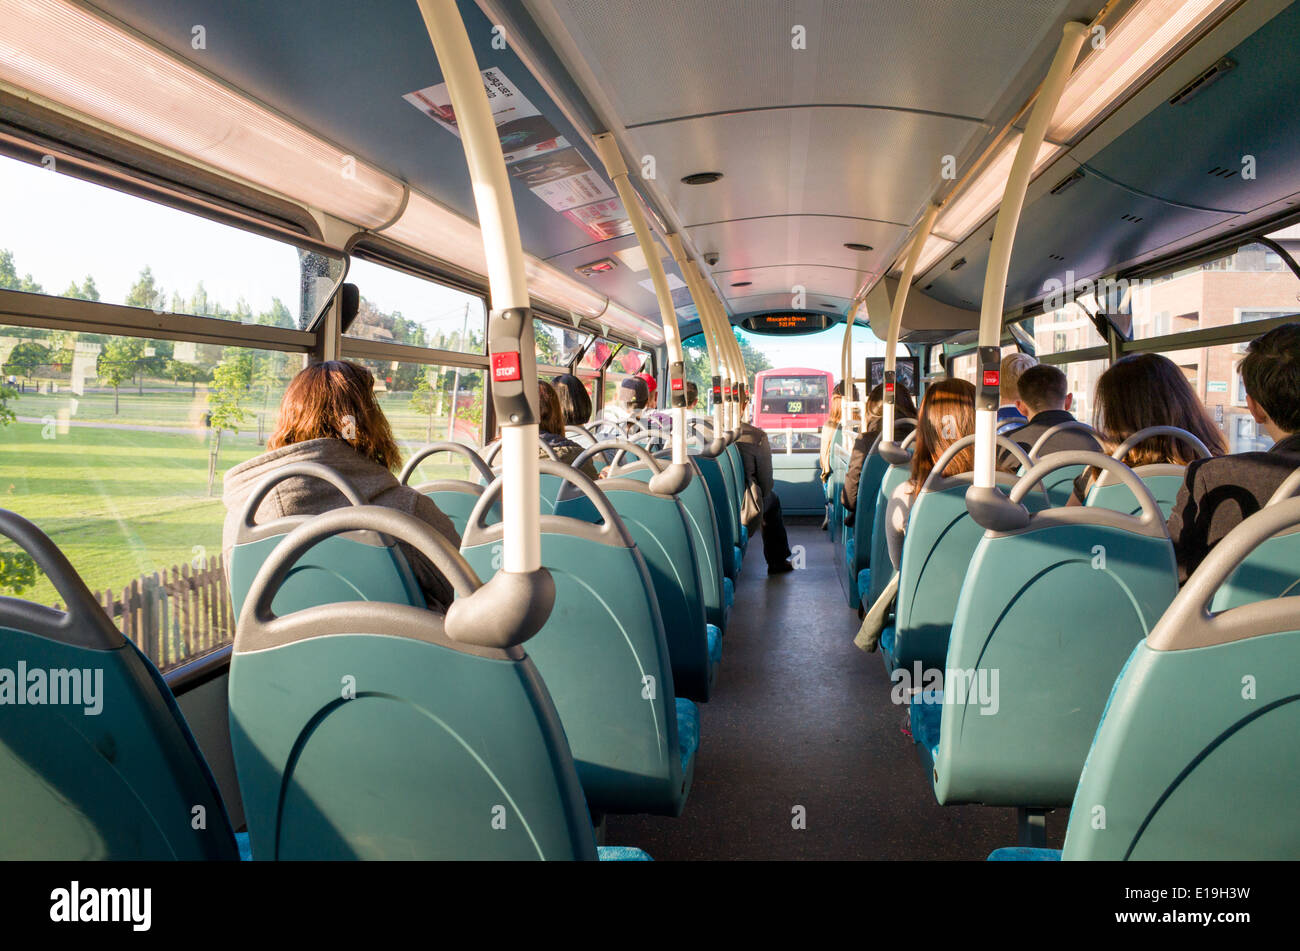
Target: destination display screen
(786,323)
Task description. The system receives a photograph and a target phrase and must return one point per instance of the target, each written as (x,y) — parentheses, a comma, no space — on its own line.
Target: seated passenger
(575,402)
(1219,493)
(1013,364)
(692,395)
(654,418)
(947,414)
(550,427)
(630,400)
(1142,390)
(1045,399)
(756,451)
(904,410)
(329,416)
(828,429)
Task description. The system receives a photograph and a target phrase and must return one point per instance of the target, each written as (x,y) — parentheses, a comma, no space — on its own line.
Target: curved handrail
(1188,623)
(623,447)
(494,450)
(1151,513)
(951,453)
(456,448)
(1060,428)
(610,523)
(84,622)
(307,470)
(1124,448)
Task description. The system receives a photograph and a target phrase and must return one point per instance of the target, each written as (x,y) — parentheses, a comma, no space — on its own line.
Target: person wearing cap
(630,399)
(655,418)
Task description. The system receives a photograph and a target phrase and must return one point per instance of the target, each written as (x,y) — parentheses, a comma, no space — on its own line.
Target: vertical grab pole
(678,476)
(705,305)
(889,450)
(846,377)
(687,267)
(739,378)
(984,500)
(510,326)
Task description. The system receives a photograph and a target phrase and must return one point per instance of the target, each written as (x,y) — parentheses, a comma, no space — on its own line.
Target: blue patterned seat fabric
(621,853)
(864,586)
(688,730)
(740,555)
(1021,854)
(729,591)
(926,714)
(715,644)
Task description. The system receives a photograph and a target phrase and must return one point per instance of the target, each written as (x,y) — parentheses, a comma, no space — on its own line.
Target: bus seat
(1272,568)
(660,528)
(704,537)
(360,566)
(941,538)
(603,654)
(879,580)
(1047,615)
(364,731)
(715,481)
(1058,485)
(736,487)
(1224,676)
(1164,480)
(114,774)
(455,498)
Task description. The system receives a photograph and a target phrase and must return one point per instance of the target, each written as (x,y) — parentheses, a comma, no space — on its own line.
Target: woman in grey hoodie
(329,415)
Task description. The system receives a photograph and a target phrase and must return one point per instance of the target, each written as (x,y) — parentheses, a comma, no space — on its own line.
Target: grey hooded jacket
(304,496)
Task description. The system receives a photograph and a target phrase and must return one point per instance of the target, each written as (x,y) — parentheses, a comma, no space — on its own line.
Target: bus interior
(789,208)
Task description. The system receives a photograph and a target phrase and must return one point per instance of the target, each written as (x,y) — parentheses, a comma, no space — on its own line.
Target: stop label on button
(505,367)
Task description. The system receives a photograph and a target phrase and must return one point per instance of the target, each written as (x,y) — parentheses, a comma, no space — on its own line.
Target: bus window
(426,403)
(557,346)
(793,399)
(397,307)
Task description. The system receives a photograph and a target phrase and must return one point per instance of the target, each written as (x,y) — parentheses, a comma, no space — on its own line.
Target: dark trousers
(776,544)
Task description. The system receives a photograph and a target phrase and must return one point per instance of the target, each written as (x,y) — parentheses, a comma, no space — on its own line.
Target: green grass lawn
(122,503)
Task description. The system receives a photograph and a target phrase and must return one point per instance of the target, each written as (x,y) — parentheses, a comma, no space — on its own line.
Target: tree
(6,414)
(117,364)
(231,381)
(145,292)
(26,357)
(18,571)
(87,290)
(426,401)
(277,316)
(9,279)
(191,373)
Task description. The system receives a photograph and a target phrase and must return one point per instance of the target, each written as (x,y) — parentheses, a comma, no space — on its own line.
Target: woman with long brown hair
(550,428)
(329,415)
(904,412)
(1143,390)
(947,414)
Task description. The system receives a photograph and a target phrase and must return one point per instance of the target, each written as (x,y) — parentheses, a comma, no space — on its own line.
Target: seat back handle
(1188,623)
(1124,448)
(951,453)
(611,530)
(1041,441)
(456,448)
(307,470)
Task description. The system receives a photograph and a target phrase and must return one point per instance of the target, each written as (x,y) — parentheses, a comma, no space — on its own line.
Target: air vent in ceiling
(927,287)
(702,178)
(855,246)
(1203,81)
(1066,182)
(957,265)
(1057,257)
(1131,218)
(742,283)
(1220,172)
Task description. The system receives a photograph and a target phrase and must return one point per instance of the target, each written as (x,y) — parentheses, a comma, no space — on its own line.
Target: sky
(60,229)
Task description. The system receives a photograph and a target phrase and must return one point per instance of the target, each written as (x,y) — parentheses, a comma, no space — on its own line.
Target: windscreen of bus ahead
(793,399)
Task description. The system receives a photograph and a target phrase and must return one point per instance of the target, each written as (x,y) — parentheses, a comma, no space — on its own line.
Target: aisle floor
(801,717)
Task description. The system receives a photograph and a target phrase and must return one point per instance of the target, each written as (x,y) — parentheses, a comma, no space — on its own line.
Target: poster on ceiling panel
(524,131)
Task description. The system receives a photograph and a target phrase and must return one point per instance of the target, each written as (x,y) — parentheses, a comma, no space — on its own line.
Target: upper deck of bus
(202,198)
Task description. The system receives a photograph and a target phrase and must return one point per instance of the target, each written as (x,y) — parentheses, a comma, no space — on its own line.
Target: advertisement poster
(602,220)
(562,179)
(524,131)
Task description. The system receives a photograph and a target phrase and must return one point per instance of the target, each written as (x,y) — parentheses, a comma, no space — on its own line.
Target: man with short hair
(1012,366)
(1219,493)
(692,395)
(630,399)
(1044,398)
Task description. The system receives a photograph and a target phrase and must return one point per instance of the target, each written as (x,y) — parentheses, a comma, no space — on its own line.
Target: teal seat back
(456,500)
(549,487)
(1270,571)
(360,566)
(1059,486)
(700,521)
(1194,758)
(660,528)
(603,654)
(883,568)
(715,482)
(1046,617)
(733,471)
(97,762)
(937,549)
(364,731)
(1163,481)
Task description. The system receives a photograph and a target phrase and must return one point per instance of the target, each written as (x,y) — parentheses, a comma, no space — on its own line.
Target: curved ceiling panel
(864,163)
(819,284)
(695,58)
(801,239)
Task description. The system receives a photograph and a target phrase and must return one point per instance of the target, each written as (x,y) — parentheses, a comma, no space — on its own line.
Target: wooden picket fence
(175,614)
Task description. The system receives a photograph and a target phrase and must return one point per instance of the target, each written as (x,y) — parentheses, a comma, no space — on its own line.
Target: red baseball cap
(650,382)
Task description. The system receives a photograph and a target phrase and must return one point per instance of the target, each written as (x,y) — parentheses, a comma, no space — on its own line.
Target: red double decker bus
(792,398)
